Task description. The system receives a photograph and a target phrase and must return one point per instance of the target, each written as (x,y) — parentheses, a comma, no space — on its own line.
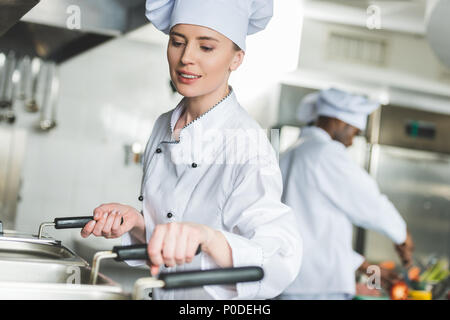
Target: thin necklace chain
(200,116)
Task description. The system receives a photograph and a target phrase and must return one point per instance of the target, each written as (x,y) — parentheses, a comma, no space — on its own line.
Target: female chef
(205,182)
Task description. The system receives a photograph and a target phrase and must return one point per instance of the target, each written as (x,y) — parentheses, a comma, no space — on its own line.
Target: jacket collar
(213,119)
(202,139)
(315,132)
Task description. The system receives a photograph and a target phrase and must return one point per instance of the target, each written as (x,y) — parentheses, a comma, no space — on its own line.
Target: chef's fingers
(154,270)
(105,208)
(407,258)
(115,228)
(106,232)
(408,263)
(155,245)
(394,276)
(112,206)
(99,225)
(126,223)
(180,249)
(169,244)
(98,213)
(88,228)
(191,246)
(389,277)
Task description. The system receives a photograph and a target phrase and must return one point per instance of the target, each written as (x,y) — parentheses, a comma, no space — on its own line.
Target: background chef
(329,193)
(232,209)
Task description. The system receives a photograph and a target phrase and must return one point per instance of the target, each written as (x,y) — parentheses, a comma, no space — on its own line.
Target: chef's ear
(238,58)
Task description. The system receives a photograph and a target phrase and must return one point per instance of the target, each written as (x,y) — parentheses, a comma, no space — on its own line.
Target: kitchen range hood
(58,30)
(12,11)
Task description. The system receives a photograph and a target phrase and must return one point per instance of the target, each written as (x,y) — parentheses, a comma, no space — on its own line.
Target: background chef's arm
(355,193)
(405,250)
(262,232)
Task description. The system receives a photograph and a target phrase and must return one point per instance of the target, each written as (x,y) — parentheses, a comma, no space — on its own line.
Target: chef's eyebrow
(198,38)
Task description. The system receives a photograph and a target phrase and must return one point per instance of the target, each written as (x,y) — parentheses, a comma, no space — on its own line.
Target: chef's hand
(405,251)
(112,220)
(387,276)
(177,242)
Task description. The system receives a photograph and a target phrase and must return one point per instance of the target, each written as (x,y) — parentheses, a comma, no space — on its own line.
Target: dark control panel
(410,128)
(420,129)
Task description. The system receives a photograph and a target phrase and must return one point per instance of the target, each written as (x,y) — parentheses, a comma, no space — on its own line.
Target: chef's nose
(188,56)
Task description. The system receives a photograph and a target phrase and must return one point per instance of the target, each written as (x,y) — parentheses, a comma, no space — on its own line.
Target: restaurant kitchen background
(82,83)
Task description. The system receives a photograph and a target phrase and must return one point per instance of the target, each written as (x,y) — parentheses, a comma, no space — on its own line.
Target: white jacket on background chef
(329,193)
(221,171)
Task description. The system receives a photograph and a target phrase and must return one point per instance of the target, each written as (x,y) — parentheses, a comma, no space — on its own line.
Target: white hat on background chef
(350,108)
(235,19)
(307,110)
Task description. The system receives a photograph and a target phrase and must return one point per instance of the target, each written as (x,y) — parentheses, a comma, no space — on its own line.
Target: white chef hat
(307,110)
(235,19)
(350,108)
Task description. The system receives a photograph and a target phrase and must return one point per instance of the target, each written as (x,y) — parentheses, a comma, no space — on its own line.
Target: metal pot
(60,291)
(174,280)
(38,267)
(21,246)
(29,258)
(37,262)
(105,291)
(49,279)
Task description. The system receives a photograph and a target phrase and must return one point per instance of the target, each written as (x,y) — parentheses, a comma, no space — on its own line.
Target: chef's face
(346,133)
(201,60)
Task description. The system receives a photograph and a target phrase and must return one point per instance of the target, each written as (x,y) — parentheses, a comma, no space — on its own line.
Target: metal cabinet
(410,160)
(418,184)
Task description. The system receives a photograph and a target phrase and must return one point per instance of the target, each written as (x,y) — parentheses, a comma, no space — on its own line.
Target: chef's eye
(206,49)
(177,43)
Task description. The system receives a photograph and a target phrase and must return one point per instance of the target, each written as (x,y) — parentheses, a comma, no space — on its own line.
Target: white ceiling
(397,15)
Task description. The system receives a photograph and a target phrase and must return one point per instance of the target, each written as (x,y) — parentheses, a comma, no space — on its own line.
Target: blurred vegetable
(435,273)
(399,291)
(414,273)
(420,295)
(389,265)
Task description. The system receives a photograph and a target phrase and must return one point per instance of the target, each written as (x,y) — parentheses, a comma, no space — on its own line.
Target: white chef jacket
(329,192)
(203,179)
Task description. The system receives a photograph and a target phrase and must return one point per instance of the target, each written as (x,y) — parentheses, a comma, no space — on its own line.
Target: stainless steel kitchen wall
(418,184)
(410,160)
